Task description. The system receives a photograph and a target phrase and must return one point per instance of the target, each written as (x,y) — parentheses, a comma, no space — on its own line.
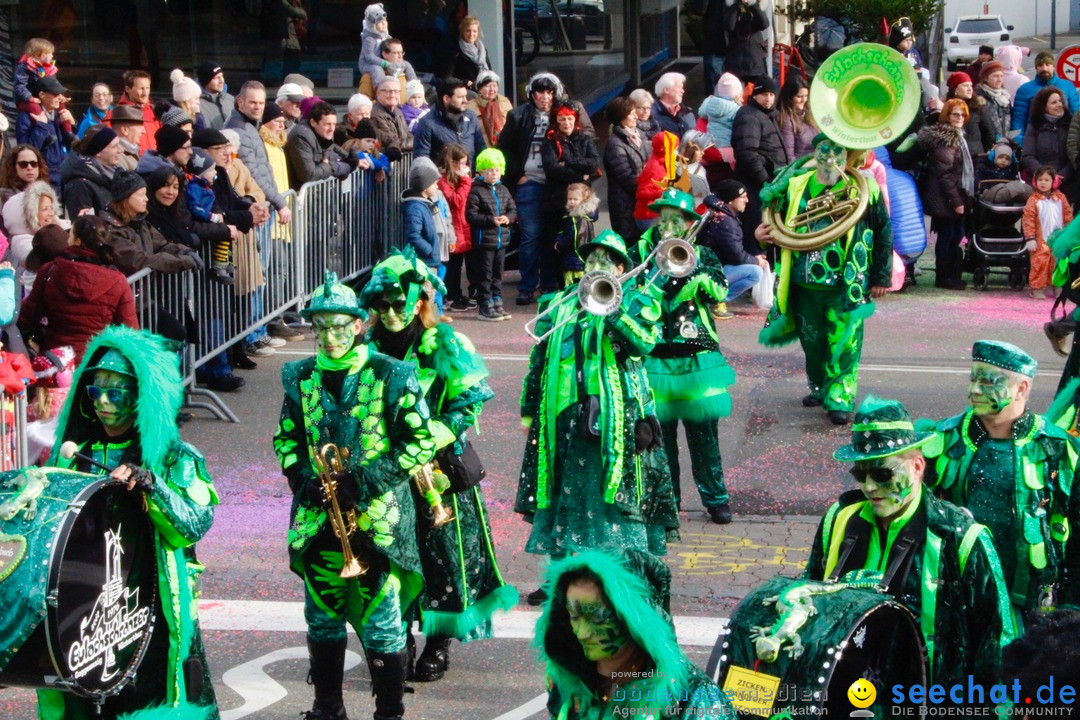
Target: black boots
(435,659)
(327,674)
(388,683)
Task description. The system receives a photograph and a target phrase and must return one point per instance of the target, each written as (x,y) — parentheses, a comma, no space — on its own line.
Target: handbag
(464,471)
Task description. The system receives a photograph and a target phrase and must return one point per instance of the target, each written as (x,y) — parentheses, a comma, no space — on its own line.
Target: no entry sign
(1068,65)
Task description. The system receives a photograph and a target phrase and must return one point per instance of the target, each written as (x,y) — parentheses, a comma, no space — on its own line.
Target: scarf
(1053,119)
(476,52)
(165,221)
(351,361)
(1000,96)
(492,117)
(633,136)
(397,344)
(967,178)
(271,138)
(106,171)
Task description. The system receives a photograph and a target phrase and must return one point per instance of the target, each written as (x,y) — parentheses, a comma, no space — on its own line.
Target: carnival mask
(114,397)
(394,310)
(831,160)
(594,622)
(888,483)
(990,391)
(601,259)
(672,222)
(335,333)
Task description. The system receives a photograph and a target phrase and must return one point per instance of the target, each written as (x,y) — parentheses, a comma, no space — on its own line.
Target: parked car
(962,41)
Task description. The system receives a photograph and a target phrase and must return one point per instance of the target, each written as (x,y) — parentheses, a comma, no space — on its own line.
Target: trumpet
(425,484)
(331,460)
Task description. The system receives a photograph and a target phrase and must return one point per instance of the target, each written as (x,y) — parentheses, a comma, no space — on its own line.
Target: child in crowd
(490,212)
(427,220)
(376,31)
(999,164)
(416,105)
(577,229)
(1047,210)
(569,155)
(363,141)
(201,172)
(36,62)
(455,183)
(719,109)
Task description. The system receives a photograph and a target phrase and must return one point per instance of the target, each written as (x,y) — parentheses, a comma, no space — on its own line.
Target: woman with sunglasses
(460,595)
(121,412)
(20,167)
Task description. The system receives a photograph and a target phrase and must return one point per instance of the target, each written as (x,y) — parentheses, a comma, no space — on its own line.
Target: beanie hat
(728,86)
(364,129)
(1044,58)
(485,77)
(96,144)
(125,183)
(307,103)
(1002,148)
(957,78)
(990,67)
(272,111)
(169,139)
(206,71)
(207,138)
(764,84)
(423,174)
(183,87)
(232,137)
(491,158)
(200,161)
(729,189)
(414,87)
(175,117)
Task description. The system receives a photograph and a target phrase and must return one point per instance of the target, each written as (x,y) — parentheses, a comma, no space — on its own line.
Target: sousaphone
(861,97)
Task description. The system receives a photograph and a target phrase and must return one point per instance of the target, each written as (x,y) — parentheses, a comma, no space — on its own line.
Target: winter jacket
(457,198)
(566,161)
(139,245)
(623,162)
(252,153)
(150,122)
(203,232)
(676,123)
(504,104)
(648,128)
(759,149)
(305,152)
(92,117)
(200,198)
(487,202)
(371,60)
(517,136)
(244,183)
(941,187)
(1026,93)
(391,129)
(723,234)
(85,186)
(650,180)
(733,32)
(797,143)
(464,68)
(577,229)
(413,114)
(436,130)
(418,213)
(720,114)
(20,215)
(979,130)
(216,109)
(1000,116)
(51,139)
(80,296)
(1045,143)
(24,74)
(235,208)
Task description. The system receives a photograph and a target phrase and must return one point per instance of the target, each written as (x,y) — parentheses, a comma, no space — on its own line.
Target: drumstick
(70,450)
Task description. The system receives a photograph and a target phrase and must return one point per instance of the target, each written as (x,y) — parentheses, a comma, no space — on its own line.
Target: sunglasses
(331,329)
(382,306)
(114,394)
(26,163)
(879,475)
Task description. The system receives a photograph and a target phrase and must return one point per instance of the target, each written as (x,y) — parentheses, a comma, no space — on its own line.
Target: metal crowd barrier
(14,453)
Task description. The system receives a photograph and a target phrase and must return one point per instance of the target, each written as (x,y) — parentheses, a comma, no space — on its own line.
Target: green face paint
(888,483)
(593,621)
(990,391)
(830,159)
(672,222)
(335,333)
(114,397)
(601,259)
(394,311)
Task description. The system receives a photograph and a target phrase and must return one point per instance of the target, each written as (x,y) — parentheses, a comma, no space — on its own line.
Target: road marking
(268,616)
(537,704)
(259,690)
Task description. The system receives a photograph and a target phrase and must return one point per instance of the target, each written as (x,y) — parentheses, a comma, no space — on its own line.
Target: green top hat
(881,428)
(334,298)
(610,241)
(400,270)
(676,199)
(1005,356)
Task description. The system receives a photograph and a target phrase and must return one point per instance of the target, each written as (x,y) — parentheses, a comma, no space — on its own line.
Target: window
(979,26)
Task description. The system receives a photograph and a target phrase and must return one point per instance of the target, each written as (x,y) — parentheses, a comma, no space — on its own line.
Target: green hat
(400,270)
(881,428)
(676,199)
(114,361)
(334,298)
(610,241)
(1005,356)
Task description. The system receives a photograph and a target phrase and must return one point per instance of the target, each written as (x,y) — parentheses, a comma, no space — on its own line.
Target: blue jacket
(435,131)
(92,117)
(49,138)
(1026,93)
(419,215)
(200,198)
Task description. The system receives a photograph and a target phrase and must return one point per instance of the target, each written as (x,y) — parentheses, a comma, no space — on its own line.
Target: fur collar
(941,135)
(587,208)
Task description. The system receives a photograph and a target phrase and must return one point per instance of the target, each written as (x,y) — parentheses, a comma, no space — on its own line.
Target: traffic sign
(1068,65)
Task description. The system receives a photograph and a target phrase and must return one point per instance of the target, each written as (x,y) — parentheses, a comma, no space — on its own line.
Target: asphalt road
(777,458)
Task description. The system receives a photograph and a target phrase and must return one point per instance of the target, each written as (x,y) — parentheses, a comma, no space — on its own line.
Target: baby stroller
(996,242)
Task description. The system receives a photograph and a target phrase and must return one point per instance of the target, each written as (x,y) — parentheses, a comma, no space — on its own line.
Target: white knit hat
(183,88)
(232,136)
(414,87)
(728,86)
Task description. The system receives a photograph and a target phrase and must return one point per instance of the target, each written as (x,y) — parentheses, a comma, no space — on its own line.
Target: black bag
(464,471)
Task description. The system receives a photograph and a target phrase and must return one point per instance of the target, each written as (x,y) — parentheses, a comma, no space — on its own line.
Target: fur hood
(372,14)
(21,211)
(941,135)
(587,208)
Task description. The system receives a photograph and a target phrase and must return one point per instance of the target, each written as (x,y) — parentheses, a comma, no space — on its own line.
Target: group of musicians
(968,522)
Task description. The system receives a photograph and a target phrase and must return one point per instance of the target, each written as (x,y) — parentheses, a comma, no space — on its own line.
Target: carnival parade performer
(823,296)
(687,371)
(462,583)
(608,618)
(929,554)
(121,412)
(1014,470)
(372,406)
(594,475)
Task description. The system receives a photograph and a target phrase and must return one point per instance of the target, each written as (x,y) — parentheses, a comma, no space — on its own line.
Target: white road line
(267,616)
(534,706)
(259,690)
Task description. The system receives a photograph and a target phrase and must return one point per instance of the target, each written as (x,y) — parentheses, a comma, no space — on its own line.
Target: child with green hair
(490,212)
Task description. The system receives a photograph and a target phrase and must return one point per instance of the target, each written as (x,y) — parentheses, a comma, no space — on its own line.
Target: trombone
(600,292)
(331,460)
(425,485)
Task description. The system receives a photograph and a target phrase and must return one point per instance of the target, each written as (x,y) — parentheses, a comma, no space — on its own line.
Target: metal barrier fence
(14,452)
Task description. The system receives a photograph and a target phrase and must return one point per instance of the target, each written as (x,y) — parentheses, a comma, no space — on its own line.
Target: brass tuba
(861,97)
(331,460)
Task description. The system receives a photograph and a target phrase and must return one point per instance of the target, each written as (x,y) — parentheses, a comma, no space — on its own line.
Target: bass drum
(78,582)
(849,633)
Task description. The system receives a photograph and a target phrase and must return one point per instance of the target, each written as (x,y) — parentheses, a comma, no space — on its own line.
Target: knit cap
(729,86)
(423,174)
(125,184)
(183,87)
(957,78)
(414,87)
(206,71)
(169,139)
(200,161)
(175,117)
(364,129)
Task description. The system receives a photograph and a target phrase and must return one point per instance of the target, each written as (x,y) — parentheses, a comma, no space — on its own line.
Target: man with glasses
(391,127)
(393,62)
(927,553)
(1014,471)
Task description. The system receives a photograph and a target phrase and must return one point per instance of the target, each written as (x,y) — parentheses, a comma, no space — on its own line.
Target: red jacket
(79,297)
(649,188)
(456,199)
(150,122)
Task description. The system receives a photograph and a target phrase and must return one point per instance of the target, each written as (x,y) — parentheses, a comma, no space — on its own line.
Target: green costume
(174,672)
(636,588)
(462,583)
(944,565)
(687,371)
(823,296)
(594,473)
(372,406)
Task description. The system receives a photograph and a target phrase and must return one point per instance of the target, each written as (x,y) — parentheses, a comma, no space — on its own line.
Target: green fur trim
(455,358)
(1063,241)
(1063,401)
(167,712)
(461,625)
(692,388)
(161,394)
(700,410)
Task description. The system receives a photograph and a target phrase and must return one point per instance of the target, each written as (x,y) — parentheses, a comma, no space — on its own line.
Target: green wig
(491,158)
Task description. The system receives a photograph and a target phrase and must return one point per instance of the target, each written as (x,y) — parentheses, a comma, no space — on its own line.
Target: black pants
(472,260)
(490,275)
(949,260)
